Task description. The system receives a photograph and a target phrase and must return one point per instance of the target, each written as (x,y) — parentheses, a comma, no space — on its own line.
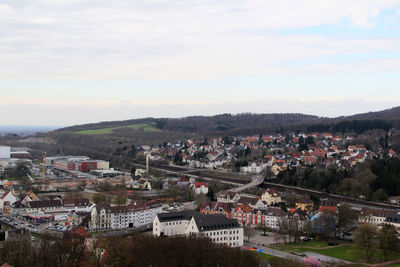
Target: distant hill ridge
(221,122)
(235,122)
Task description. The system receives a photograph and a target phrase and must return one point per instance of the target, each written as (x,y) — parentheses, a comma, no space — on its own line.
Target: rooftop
(203,222)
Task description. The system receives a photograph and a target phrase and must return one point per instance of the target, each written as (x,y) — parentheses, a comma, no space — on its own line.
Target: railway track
(337,198)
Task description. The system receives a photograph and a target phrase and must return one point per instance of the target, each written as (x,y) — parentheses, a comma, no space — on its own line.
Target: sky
(67,62)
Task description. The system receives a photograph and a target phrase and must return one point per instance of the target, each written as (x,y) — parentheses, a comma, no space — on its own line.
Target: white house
(218,228)
(254,167)
(200,188)
(374,216)
(6,200)
(77,205)
(228,196)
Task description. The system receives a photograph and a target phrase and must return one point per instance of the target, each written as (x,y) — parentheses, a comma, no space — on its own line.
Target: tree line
(138,250)
(375,179)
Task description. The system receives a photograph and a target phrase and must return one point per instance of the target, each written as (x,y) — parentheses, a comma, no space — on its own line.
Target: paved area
(276,253)
(324,258)
(271,239)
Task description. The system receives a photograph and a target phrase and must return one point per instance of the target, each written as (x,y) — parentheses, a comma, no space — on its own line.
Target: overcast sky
(65,62)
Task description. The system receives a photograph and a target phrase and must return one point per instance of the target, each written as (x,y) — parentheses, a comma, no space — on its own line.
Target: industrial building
(81,164)
(5,152)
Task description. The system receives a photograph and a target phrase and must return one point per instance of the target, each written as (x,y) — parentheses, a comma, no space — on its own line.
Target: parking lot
(42,228)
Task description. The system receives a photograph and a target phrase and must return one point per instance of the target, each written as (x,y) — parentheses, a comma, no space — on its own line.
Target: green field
(146,127)
(344,252)
(263,256)
(137,127)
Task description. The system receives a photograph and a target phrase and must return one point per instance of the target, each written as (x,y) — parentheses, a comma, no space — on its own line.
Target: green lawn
(345,252)
(342,252)
(275,261)
(97,131)
(139,126)
(146,127)
(263,256)
(313,243)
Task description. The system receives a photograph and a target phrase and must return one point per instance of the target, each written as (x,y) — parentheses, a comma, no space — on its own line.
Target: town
(223,189)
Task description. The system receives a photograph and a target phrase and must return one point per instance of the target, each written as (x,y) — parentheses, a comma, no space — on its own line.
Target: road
(223,177)
(325,258)
(255,181)
(241,185)
(276,253)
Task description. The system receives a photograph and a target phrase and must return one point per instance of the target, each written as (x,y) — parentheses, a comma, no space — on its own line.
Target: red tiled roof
(200,184)
(327,208)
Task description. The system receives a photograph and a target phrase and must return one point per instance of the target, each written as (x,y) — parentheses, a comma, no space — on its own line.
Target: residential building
(218,228)
(271,196)
(254,202)
(39,205)
(19,189)
(374,216)
(271,217)
(305,204)
(214,207)
(6,200)
(394,219)
(77,205)
(200,188)
(228,196)
(105,217)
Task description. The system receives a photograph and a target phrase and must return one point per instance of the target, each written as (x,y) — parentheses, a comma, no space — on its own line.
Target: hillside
(114,139)
(195,124)
(387,114)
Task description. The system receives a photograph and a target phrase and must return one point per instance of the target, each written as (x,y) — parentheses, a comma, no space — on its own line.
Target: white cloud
(165,39)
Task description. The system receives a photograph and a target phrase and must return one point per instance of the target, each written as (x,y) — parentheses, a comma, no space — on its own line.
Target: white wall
(231,237)
(103,165)
(5,152)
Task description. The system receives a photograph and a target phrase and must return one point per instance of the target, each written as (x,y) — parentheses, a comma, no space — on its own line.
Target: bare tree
(263,226)
(249,232)
(365,240)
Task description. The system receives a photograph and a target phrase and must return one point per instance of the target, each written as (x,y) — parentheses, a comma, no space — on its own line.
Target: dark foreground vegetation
(140,250)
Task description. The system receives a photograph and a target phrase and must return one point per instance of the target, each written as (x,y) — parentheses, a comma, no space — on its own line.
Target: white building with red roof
(200,188)
(6,200)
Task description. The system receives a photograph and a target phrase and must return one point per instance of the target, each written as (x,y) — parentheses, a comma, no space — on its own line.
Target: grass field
(344,252)
(139,126)
(263,256)
(146,127)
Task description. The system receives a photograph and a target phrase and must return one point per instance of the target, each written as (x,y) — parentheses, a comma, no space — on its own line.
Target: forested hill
(205,124)
(387,114)
(247,123)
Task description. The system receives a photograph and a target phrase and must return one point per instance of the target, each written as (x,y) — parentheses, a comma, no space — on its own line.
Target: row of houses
(296,149)
(248,214)
(379,217)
